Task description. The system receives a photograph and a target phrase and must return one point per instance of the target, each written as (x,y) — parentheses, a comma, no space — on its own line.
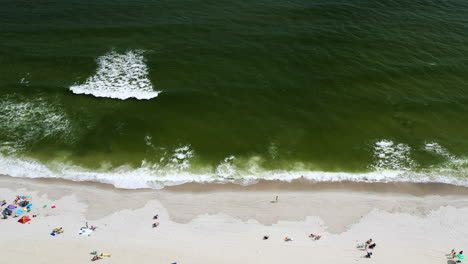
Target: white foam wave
(388,155)
(26,120)
(181,157)
(147,176)
(119,76)
(438,149)
(227,168)
(176,161)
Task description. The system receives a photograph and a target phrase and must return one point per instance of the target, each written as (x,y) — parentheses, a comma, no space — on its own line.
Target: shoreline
(212,223)
(411,188)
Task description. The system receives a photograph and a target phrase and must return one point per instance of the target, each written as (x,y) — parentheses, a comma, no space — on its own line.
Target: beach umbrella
(24,220)
(19,212)
(28,198)
(11,207)
(460,256)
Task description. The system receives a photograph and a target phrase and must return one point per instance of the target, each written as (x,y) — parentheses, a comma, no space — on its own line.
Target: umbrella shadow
(451,261)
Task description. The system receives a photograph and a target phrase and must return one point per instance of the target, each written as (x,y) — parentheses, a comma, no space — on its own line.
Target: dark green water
(289,88)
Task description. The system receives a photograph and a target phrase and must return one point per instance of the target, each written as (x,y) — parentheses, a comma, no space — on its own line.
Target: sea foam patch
(119,76)
(392,156)
(226,168)
(436,148)
(24,120)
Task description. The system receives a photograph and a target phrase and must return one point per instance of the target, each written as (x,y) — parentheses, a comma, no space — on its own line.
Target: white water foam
(226,169)
(30,120)
(152,176)
(438,149)
(170,162)
(391,156)
(181,157)
(119,76)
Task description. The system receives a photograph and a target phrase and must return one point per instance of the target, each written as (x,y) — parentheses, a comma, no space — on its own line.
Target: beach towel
(85,232)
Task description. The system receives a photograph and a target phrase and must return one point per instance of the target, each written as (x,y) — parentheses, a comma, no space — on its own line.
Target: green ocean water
(249,89)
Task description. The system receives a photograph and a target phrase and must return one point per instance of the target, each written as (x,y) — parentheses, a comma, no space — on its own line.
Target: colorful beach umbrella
(28,198)
(460,256)
(24,220)
(19,212)
(11,207)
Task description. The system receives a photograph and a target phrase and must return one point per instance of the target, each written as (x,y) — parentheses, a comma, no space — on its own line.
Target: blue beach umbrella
(11,207)
(460,256)
(19,212)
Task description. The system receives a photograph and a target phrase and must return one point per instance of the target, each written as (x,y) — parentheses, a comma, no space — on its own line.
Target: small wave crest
(452,160)
(119,76)
(389,155)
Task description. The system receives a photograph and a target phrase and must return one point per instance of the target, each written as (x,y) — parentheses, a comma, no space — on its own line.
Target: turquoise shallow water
(248,89)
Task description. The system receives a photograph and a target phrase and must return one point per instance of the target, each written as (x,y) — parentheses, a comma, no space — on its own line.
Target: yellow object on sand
(105,255)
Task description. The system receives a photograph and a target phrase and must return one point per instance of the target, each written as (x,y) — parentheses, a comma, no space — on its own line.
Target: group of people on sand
(98,256)
(368,246)
(22,204)
(57,231)
(458,255)
(287,239)
(155,224)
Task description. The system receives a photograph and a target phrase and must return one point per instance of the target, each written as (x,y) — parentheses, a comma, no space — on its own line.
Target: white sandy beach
(226,225)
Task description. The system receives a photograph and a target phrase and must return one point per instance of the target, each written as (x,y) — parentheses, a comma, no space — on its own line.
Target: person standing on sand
(368,242)
(276,200)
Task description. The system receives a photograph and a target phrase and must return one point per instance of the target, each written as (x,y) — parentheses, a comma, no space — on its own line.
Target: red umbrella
(24,219)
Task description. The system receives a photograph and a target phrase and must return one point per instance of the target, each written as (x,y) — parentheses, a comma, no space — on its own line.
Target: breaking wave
(175,167)
(119,76)
(389,155)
